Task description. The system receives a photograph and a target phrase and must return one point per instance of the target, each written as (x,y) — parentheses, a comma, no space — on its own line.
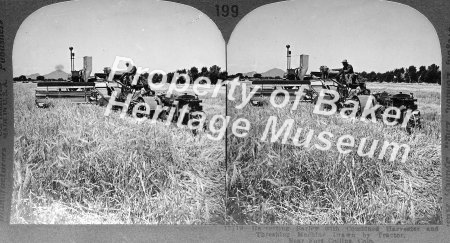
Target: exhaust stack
(288,55)
(87,67)
(304,59)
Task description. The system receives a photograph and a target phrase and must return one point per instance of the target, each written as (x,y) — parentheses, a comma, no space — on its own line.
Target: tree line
(38,78)
(430,74)
(214,73)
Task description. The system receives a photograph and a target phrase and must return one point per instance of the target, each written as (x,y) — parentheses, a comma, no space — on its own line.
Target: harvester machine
(78,90)
(354,89)
(293,79)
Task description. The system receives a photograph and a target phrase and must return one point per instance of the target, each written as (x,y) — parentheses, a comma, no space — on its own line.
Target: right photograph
(335,113)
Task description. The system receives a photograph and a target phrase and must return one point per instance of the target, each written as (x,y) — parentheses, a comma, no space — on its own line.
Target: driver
(143,79)
(128,76)
(346,73)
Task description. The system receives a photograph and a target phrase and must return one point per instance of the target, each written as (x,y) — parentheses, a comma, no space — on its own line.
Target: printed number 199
(226,10)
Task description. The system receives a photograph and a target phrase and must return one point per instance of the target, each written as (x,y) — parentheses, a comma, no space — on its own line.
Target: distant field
(272,183)
(73,165)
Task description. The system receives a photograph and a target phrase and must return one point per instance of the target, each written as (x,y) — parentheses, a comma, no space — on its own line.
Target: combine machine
(75,92)
(292,81)
(81,91)
(354,89)
(81,88)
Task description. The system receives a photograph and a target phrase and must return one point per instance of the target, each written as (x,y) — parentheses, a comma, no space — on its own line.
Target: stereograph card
(307,121)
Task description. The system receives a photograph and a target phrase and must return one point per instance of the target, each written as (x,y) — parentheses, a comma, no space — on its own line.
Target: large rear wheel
(163,115)
(363,102)
(413,122)
(196,123)
(327,107)
(141,107)
(350,107)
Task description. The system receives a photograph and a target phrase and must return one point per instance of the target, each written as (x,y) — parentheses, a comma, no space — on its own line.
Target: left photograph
(119,115)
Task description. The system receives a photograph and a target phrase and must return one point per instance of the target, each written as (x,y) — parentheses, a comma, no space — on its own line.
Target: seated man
(143,80)
(346,74)
(128,76)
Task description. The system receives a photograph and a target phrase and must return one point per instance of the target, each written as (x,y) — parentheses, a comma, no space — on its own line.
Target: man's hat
(344,61)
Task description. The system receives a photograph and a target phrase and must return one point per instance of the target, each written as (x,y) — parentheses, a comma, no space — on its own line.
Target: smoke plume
(59,67)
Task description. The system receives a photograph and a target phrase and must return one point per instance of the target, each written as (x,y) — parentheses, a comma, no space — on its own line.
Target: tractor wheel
(363,99)
(142,107)
(314,100)
(102,102)
(163,115)
(414,122)
(196,123)
(326,106)
(349,112)
(392,119)
(185,119)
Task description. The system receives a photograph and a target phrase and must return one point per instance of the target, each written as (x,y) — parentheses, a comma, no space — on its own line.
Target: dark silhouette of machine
(354,89)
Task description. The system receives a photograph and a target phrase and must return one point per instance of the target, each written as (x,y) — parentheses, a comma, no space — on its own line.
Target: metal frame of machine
(79,90)
(166,102)
(75,92)
(354,89)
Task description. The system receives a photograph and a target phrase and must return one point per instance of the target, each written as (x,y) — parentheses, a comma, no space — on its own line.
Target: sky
(372,35)
(154,34)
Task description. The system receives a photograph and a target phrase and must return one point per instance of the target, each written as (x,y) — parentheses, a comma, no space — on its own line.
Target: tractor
(177,102)
(170,104)
(353,89)
(138,96)
(405,103)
